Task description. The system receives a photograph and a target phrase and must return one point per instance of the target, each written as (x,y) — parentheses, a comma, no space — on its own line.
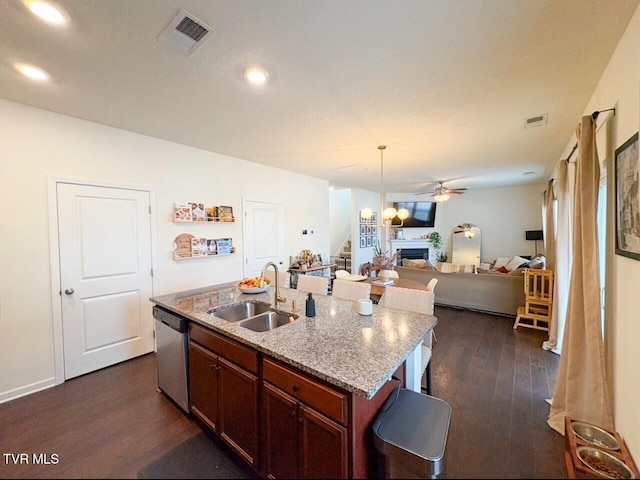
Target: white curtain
(563,256)
(549,227)
(581,389)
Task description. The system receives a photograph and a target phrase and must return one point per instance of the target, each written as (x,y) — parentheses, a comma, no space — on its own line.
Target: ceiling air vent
(185,33)
(535,121)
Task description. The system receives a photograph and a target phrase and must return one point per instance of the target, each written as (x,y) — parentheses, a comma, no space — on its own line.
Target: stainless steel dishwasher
(173,356)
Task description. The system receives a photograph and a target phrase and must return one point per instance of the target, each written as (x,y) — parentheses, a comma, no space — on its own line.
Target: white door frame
(54,257)
(281,248)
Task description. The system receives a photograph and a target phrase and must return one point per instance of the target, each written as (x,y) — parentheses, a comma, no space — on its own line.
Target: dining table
(377,290)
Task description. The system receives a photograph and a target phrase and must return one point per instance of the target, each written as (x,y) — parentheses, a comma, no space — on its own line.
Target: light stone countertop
(354,352)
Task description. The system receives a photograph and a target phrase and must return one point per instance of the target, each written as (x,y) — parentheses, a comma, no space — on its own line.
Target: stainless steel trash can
(411,434)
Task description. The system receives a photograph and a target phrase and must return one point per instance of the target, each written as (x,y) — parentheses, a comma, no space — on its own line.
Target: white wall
(619,87)
(36,144)
(361,199)
(340,217)
(502,214)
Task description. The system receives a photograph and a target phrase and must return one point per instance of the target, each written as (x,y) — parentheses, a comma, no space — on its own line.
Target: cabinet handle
(300,419)
(292,413)
(296,388)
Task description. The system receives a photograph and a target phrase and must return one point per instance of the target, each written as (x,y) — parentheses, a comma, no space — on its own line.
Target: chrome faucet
(277,297)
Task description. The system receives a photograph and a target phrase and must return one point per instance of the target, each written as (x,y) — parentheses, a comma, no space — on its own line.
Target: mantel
(416,243)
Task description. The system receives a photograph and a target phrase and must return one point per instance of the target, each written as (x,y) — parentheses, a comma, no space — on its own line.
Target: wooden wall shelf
(204,222)
(178,258)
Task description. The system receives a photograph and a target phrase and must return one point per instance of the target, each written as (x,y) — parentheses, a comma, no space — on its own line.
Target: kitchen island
(330,374)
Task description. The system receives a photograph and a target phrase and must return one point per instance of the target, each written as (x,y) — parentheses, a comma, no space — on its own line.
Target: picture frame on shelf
(198,247)
(212,214)
(182,245)
(198,213)
(627,199)
(182,212)
(225,213)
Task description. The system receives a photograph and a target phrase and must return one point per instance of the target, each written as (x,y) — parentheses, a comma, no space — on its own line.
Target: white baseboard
(27,389)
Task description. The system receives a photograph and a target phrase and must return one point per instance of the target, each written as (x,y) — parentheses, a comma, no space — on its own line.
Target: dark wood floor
(496,381)
(111,423)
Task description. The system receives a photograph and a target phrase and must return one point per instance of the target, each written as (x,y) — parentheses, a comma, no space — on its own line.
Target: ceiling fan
(441,193)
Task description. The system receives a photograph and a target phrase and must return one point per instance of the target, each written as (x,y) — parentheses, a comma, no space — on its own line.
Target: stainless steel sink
(268,321)
(241,311)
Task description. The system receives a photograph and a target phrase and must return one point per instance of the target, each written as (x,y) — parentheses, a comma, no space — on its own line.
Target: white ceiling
(446,85)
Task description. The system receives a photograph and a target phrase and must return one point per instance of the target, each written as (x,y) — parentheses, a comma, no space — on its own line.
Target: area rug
(198,457)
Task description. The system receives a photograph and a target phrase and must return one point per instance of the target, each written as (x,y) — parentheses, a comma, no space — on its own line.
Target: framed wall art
(627,193)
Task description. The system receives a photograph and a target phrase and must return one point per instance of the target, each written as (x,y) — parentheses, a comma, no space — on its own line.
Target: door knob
(69,291)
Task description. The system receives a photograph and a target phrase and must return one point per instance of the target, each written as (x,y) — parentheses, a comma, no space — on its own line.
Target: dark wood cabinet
(282,421)
(323,445)
(280,433)
(238,422)
(300,441)
(203,384)
(223,394)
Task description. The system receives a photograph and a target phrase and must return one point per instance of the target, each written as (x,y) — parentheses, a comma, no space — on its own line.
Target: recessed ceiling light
(32,72)
(256,75)
(48,11)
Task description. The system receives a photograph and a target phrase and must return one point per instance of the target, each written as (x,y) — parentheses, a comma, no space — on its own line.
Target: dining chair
(418,301)
(313,284)
(342,274)
(284,278)
(348,290)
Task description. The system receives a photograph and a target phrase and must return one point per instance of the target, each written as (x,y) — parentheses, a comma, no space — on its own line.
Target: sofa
(486,292)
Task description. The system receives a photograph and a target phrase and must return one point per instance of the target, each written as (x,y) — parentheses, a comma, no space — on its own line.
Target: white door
(263,236)
(105,275)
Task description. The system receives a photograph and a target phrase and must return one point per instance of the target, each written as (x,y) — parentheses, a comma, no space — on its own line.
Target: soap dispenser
(310,307)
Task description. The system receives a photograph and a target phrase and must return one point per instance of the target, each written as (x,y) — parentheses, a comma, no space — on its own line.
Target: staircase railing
(342,245)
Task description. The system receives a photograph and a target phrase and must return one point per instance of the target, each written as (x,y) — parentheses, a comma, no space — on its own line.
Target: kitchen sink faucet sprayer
(277,298)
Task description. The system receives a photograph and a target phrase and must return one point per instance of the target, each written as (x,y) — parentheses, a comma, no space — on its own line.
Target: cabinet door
(238,415)
(280,433)
(323,445)
(203,379)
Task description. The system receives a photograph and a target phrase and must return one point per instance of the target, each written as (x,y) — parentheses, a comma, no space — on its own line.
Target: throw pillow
(501,262)
(537,262)
(418,263)
(446,267)
(516,262)
(502,269)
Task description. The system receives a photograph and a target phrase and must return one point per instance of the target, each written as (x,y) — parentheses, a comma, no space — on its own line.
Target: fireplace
(414,253)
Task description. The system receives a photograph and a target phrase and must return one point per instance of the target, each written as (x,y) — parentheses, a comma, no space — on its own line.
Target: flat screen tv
(421,214)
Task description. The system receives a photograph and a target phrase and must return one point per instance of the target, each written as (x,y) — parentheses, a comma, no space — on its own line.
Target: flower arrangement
(383,260)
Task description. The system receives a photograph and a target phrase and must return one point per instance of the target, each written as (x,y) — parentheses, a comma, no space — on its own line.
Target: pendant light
(389,213)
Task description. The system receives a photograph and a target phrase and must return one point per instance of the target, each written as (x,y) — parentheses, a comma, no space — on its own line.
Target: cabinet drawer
(324,399)
(232,351)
